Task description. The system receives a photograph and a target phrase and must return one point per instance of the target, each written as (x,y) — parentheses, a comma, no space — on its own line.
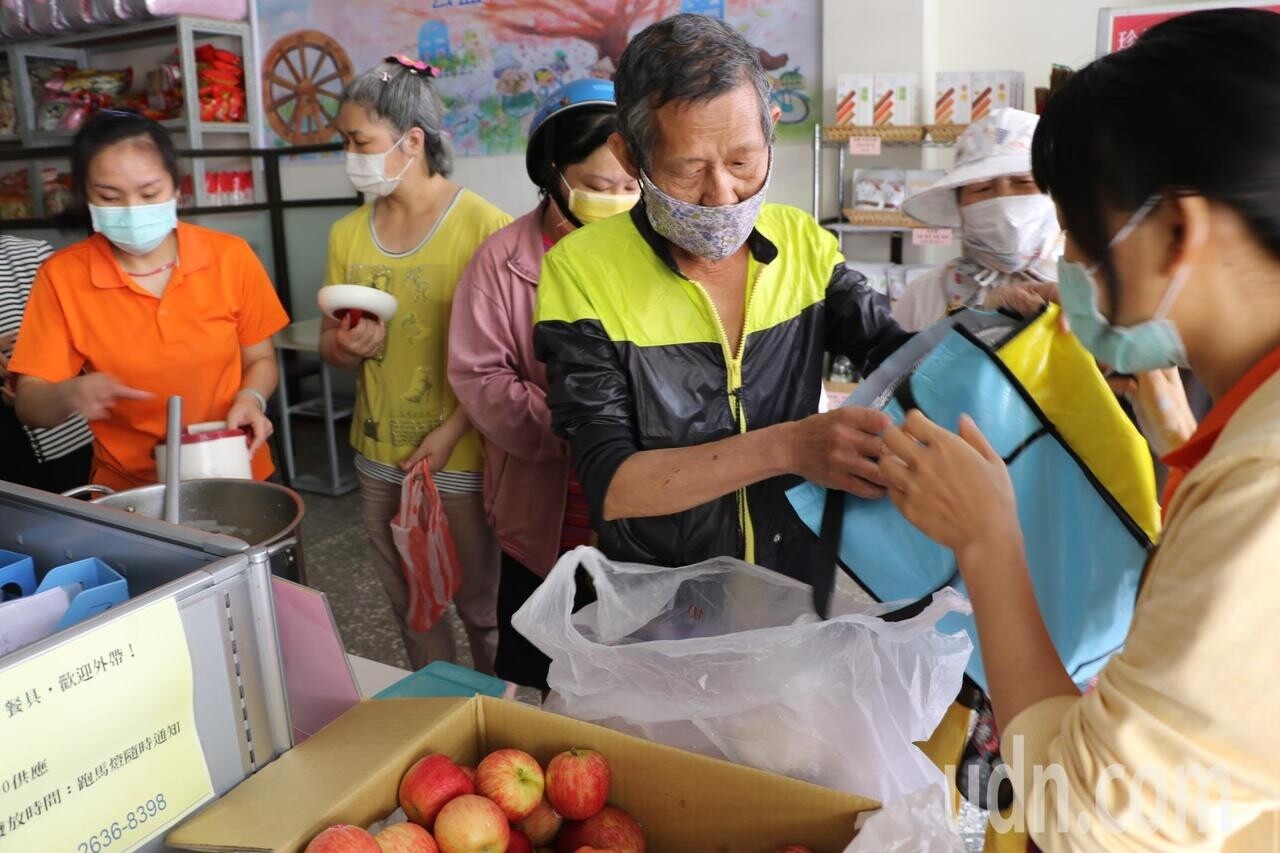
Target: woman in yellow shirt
(412,240)
(1172,259)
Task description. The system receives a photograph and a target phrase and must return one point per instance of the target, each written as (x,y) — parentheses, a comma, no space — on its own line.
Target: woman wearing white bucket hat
(1009,227)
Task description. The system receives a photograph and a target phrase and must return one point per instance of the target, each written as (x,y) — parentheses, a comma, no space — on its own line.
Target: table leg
(330,434)
(286,425)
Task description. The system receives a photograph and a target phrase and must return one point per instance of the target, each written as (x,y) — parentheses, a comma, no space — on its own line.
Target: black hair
(686,57)
(1190,108)
(106,128)
(565,140)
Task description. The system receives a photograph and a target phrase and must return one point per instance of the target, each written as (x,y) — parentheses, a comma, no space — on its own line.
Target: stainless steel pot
(258,513)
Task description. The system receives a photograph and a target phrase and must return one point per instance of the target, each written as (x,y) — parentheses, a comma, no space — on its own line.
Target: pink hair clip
(413,66)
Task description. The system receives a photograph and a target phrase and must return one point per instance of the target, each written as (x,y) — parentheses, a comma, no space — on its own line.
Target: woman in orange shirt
(144,309)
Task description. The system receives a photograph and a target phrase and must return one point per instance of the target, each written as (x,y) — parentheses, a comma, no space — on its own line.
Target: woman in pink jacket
(532,497)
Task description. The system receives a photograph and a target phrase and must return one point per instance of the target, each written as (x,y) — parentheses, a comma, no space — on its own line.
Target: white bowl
(210,450)
(337,299)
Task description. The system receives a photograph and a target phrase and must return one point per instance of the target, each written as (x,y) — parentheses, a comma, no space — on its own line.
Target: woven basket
(881,219)
(945,132)
(890,133)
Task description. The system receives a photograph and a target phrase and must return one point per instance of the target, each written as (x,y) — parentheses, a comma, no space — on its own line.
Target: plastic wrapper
(80,14)
(421,533)
(917,823)
(90,81)
(225,10)
(8,106)
(729,660)
(13,19)
(119,11)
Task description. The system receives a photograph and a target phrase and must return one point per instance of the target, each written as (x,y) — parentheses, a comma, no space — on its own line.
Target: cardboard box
(854,93)
(993,90)
(896,100)
(953,97)
(350,772)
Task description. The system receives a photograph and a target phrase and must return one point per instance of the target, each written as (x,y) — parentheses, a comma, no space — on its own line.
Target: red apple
(519,843)
(578,783)
(513,780)
(343,838)
(542,825)
(471,824)
(793,848)
(610,829)
(470,771)
(431,783)
(406,838)
(593,850)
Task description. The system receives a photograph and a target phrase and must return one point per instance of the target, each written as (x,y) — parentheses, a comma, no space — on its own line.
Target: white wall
(1021,35)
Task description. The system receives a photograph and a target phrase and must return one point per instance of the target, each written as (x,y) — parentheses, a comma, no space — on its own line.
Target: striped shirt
(465,482)
(19,260)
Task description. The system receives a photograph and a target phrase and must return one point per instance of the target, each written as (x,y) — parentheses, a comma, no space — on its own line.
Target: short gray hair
(683,58)
(405,100)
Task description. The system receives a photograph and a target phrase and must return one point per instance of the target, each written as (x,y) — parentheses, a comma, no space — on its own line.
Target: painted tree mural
(605,24)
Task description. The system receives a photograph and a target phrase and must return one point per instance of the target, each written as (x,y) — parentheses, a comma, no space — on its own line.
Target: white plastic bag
(729,660)
(916,823)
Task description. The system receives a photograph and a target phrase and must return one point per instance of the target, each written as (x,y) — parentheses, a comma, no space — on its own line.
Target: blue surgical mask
(1153,344)
(138,228)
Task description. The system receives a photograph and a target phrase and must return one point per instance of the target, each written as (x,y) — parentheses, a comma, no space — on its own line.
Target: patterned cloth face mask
(713,233)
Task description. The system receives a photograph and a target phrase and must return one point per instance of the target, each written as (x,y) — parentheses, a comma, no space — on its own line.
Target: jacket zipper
(733,364)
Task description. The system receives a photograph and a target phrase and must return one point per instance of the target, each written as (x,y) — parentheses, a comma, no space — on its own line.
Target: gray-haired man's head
(684,58)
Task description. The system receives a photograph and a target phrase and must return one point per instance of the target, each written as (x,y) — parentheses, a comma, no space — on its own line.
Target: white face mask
(1011,233)
(368,172)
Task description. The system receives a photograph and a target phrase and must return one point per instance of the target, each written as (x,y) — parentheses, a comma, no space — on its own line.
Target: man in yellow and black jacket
(686,429)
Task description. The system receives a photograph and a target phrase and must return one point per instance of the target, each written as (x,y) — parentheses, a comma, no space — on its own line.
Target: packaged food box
(994,90)
(953,99)
(896,97)
(854,94)
(350,772)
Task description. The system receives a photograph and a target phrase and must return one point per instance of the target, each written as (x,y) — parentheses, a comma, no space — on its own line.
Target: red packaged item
(427,552)
(212,188)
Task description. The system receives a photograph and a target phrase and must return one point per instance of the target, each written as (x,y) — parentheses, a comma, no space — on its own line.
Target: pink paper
(317,677)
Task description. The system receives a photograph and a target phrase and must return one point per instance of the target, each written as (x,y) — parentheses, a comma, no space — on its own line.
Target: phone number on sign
(109,835)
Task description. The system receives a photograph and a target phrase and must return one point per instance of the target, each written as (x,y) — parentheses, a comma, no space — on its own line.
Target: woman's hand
(6,386)
(436,448)
(1159,401)
(954,488)
(361,338)
(93,395)
(245,412)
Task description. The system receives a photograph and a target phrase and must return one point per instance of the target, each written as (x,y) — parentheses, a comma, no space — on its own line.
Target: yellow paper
(98,742)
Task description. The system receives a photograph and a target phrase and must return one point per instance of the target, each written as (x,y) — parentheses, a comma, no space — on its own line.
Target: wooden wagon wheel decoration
(302,81)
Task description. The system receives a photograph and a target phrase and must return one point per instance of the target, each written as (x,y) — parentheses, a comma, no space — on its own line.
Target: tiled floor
(337,558)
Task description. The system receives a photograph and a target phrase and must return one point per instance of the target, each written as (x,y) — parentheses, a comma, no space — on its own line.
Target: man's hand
(840,450)
(361,338)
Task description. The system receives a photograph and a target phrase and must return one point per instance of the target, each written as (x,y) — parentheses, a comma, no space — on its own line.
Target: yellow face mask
(590,206)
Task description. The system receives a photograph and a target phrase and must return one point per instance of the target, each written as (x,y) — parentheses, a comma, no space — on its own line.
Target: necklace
(173,263)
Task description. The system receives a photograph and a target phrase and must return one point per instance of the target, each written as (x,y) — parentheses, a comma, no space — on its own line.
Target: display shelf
(891,220)
(850,228)
(910,136)
(182,32)
(228,127)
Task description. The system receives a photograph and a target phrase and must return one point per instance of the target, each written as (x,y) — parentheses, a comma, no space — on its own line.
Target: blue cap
(580,93)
